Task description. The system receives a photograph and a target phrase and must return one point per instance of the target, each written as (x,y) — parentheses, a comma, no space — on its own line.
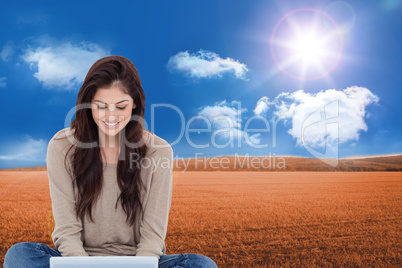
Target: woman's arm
(153,227)
(67,232)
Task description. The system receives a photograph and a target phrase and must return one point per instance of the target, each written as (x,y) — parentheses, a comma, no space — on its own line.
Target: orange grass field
(248,219)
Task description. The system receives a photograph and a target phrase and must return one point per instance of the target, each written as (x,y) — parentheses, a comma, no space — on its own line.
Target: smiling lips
(111,125)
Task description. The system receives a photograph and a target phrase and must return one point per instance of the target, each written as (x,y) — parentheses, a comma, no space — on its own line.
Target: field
(275,163)
(249,219)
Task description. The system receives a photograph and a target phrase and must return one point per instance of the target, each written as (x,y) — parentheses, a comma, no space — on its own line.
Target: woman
(110,180)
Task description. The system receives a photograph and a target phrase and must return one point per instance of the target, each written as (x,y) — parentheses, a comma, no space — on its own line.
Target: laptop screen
(104,262)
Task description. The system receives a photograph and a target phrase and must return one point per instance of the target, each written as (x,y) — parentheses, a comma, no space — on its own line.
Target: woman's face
(111,110)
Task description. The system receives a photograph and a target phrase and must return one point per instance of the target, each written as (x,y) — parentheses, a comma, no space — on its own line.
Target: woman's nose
(112,118)
(112,107)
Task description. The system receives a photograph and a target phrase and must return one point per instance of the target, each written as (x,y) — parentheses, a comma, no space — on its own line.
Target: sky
(297,78)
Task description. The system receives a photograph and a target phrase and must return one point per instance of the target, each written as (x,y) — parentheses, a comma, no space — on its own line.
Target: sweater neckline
(115,164)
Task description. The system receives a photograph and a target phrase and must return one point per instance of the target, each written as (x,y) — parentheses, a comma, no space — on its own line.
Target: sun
(306,44)
(308,48)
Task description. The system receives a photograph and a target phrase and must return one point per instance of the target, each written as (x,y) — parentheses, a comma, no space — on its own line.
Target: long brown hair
(87,164)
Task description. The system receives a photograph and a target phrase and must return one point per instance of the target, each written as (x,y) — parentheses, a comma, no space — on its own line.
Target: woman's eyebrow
(115,103)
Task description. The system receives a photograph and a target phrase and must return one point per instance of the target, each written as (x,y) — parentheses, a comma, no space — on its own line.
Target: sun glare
(306,44)
(308,48)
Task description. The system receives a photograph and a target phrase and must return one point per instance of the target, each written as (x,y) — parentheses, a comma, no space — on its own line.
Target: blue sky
(201,59)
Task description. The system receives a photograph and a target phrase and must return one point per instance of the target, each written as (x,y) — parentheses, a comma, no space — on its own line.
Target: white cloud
(205,64)
(219,110)
(225,119)
(255,138)
(62,64)
(311,115)
(262,106)
(3,82)
(28,149)
(7,51)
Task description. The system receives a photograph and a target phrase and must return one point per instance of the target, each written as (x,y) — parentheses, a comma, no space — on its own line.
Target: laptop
(104,262)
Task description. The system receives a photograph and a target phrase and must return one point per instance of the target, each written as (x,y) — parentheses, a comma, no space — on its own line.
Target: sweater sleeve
(153,227)
(67,232)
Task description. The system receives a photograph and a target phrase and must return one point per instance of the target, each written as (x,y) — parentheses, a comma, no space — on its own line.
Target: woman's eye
(104,107)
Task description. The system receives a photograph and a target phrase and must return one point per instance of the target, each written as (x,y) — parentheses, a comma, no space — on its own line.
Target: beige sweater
(110,234)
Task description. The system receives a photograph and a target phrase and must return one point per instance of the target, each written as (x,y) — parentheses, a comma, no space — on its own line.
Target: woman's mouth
(111,125)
